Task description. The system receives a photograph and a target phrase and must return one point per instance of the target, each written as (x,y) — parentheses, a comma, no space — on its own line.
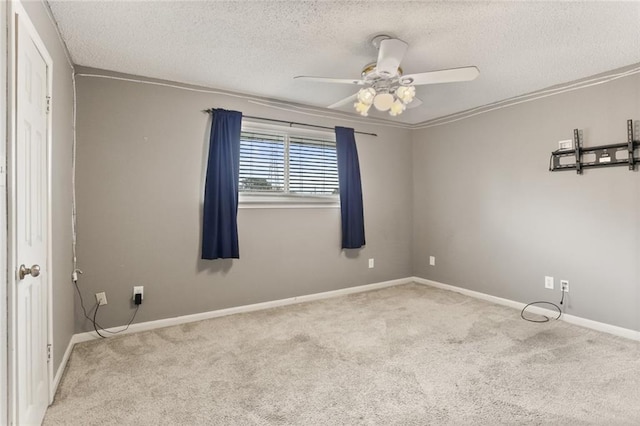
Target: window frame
(257,199)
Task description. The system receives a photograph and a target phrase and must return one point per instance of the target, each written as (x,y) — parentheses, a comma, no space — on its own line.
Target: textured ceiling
(257,47)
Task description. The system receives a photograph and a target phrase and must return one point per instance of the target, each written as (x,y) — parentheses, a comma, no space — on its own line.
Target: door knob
(34,271)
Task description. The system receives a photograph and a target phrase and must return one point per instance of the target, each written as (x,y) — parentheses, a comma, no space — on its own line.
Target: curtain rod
(291,123)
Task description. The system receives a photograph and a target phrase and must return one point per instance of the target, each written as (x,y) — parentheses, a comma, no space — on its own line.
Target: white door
(31,314)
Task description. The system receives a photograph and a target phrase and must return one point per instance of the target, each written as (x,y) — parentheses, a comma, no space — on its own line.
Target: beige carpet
(407,355)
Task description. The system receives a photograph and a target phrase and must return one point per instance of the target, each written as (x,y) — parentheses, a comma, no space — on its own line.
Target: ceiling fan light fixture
(383,101)
(406,93)
(386,86)
(362,108)
(366,95)
(397,108)
(393,99)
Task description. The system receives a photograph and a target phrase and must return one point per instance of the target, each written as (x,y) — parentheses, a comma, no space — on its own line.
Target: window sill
(273,201)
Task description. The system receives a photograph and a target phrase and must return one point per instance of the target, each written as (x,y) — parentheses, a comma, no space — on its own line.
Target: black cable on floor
(546,318)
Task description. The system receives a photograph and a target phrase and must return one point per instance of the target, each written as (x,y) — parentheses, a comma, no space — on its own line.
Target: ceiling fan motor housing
(370,72)
(376,40)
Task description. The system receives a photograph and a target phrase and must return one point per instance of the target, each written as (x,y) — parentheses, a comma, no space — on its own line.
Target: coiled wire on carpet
(546,318)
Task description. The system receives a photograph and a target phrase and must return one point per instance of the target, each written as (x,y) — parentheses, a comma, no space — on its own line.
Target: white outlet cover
(432,260)
(371,263)
(101,298)
(566,144)
(138,289)
(548,282)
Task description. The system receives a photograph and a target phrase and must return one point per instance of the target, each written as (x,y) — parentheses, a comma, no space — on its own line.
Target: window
(262,162)
(288,166)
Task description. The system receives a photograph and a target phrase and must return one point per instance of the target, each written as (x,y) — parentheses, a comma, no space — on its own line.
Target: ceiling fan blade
(344,101)
(390,55)
(330,80)
(414,103)
(442,76)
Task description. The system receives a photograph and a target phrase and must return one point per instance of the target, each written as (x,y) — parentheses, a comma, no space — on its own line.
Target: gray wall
(498,221)
(62,107)
(475,193)
(141,162)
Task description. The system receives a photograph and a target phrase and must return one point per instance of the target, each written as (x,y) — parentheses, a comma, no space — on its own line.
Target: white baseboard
(571,319)
(167,322)
(63,364)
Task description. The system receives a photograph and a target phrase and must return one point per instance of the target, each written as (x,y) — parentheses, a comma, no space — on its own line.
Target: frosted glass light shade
(393,98)
(367,95)
(383,101)
(406,93)
(397,107)
(362,108)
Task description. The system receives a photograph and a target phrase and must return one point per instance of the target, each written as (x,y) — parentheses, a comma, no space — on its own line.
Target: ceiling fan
(385,85)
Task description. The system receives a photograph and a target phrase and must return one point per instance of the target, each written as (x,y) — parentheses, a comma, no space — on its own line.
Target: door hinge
(48,104)
(49,352)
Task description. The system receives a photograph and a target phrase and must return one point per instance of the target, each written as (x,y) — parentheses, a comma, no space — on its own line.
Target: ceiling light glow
(397,108)
(393,99)
(406,93)
(383,101)
(367,95)
(362,108)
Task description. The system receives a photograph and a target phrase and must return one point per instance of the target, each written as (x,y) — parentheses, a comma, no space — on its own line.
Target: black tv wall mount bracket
(601,156)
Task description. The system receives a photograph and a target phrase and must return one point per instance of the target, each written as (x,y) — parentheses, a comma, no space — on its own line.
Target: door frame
(17,13)
(4,27)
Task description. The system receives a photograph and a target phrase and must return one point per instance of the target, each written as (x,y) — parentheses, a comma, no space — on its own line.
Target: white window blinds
(313,167)
(262,162)
(286,164)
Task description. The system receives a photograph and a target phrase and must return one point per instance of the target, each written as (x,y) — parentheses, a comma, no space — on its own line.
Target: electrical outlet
(548,282)
(564,286)
(567,144)
(432,260)
(101,298)
(371,263)
(138,289)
